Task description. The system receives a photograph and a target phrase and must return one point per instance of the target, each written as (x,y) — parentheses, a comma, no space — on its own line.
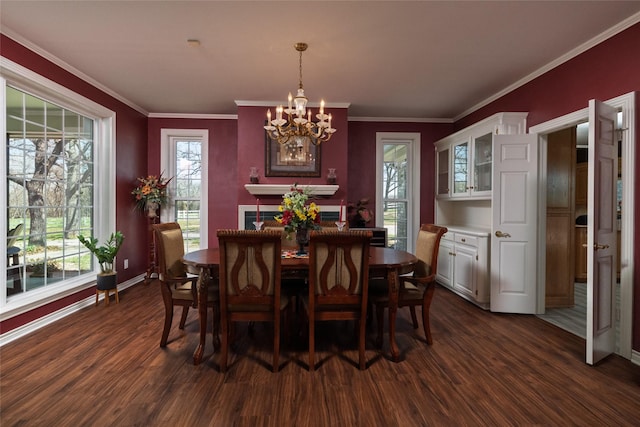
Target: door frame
(625,103)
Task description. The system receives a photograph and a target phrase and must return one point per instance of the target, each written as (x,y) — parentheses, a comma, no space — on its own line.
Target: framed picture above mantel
(295,158)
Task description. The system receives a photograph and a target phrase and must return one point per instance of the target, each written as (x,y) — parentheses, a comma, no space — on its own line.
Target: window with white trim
(55,140)
(184,157)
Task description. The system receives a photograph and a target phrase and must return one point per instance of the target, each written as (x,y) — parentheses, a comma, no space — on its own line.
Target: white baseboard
(635,357)
(25,329)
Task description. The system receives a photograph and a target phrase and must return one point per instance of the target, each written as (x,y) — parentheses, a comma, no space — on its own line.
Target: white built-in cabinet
(463,264)
(464,194)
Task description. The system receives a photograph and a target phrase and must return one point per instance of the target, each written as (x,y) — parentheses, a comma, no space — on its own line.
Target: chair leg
(97,294)
(426,304)
(216,327)
(225,345)
(361,343)
(168,319)
(379,321)
(183,317)
(276,340)
(117,298)
(414,318)
(311,342)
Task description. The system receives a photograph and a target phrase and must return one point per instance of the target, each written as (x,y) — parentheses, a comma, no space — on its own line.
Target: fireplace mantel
(280,189)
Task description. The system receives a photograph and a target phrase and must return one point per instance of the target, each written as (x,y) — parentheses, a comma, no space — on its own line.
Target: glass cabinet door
(461,168)
(443,172)
(482,163)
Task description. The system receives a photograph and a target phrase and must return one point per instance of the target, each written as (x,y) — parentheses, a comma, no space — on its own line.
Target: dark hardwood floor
(102,366)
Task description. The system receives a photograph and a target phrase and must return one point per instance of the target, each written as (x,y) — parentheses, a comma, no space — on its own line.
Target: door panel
(601,232)
(514,224)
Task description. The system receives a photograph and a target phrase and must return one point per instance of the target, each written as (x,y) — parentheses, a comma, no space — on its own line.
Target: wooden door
(601,232)
(560,240)
(514,224)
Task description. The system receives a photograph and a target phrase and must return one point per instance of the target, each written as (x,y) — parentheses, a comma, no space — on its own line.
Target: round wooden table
(383,262)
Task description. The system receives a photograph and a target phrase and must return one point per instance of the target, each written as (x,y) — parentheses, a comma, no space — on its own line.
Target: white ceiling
(402,59)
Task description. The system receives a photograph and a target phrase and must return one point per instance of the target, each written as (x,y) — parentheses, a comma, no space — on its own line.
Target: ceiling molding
(193,116)
(246,103)
(400,119)
(632,20)
(69,68)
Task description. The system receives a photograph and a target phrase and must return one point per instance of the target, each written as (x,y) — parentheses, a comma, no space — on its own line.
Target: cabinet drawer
(466,239)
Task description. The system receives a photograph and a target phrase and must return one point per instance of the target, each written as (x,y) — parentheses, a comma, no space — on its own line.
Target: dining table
(383,262)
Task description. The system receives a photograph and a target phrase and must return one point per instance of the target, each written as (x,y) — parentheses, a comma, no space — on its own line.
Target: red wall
(223,160)
(362,160)
(605,71)
(252,150)
(131,154)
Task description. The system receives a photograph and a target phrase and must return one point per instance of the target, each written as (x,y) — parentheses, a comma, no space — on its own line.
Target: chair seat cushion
(12,250)
(183,291)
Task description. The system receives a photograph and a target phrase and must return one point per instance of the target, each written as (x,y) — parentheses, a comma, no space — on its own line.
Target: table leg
(392,280)
(203,279)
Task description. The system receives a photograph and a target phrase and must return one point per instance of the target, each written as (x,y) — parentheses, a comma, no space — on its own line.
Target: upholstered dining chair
(250,272)
(416,289)
(338,282)
(178,287)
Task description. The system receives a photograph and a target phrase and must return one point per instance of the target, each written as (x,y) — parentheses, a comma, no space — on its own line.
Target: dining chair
(250,273)
(416,289)
(178,287)
(338,282)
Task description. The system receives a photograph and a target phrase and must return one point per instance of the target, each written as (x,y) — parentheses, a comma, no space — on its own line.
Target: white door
(601,232)
(514,223)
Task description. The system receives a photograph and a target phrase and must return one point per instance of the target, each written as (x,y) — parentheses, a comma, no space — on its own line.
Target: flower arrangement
(151,189)
(296,213)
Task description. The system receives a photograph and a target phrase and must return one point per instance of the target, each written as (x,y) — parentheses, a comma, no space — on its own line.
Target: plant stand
(152,270)
(106,293)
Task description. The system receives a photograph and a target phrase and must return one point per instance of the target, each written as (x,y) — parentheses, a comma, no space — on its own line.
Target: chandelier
(298,126)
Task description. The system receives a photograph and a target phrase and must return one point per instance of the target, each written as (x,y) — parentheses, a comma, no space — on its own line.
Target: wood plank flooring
(102,366)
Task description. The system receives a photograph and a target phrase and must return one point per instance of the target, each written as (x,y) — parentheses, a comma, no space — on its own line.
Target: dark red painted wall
(251,152)
(131,154)
(223,159)
(362,160)
(605,71)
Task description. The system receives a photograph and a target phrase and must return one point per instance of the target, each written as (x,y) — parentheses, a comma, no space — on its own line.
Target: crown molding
(69,68)
(618,28)
(193,116)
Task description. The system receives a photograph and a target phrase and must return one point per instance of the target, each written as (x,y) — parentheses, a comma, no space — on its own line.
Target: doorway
(625,105)
(566,253)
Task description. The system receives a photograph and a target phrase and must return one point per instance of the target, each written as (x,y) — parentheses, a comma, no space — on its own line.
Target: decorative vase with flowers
(151,193)
(298,216)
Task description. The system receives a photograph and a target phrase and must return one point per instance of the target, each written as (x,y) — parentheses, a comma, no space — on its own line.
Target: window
(52,179)
(398,201)
(184,154)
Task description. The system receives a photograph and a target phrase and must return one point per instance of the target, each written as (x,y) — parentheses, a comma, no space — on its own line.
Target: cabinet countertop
(476,231)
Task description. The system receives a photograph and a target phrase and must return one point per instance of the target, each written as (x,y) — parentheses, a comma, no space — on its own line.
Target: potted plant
(105,254)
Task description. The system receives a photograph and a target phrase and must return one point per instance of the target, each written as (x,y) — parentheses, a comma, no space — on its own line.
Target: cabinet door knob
(464,240)
(501,234)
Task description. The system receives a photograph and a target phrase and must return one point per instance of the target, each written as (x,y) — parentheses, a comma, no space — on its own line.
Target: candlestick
(341,200)
(258,210)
